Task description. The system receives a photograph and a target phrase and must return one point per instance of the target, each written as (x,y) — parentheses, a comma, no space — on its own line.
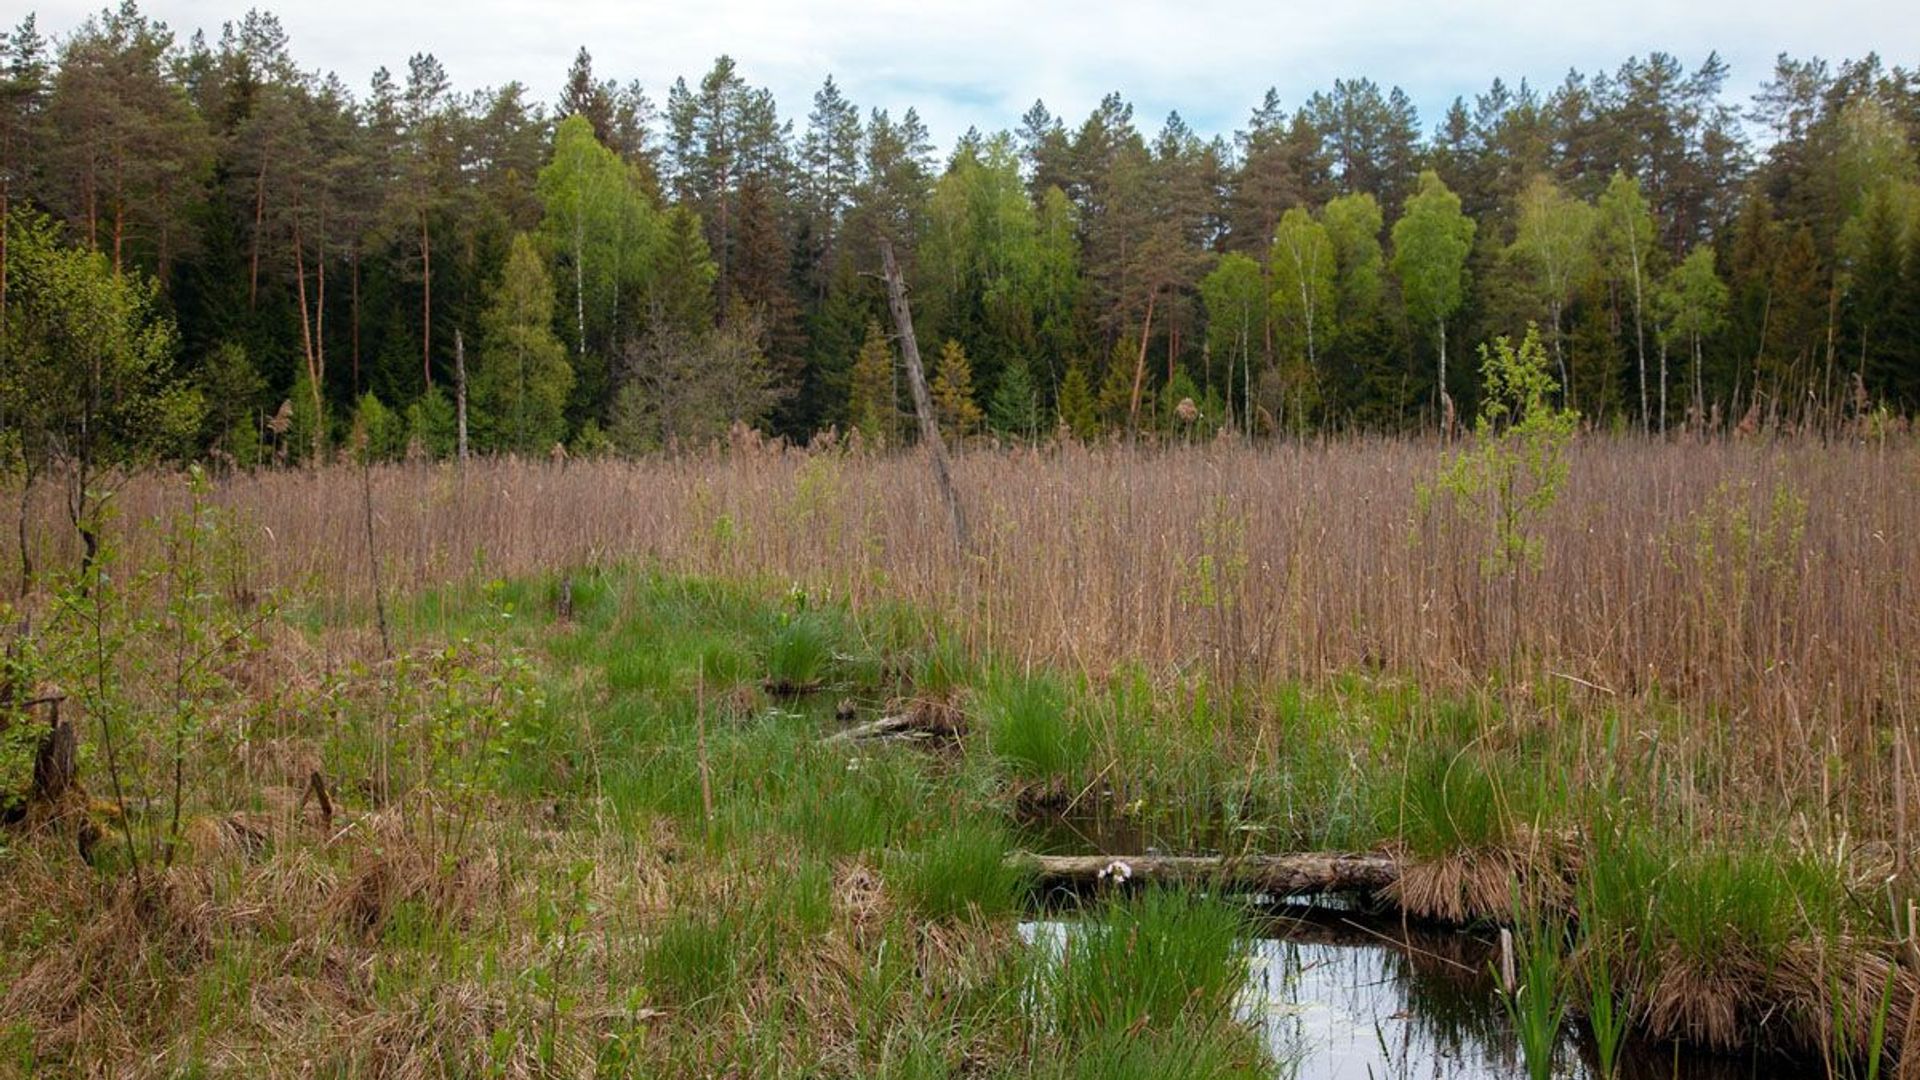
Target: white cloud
(982,62)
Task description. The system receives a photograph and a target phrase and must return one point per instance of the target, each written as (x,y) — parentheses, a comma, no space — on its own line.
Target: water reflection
(1341,994)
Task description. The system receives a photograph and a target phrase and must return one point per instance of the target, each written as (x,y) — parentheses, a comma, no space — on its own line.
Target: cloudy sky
(982,62)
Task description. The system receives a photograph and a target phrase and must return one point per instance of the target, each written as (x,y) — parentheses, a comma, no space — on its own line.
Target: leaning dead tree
(922,401)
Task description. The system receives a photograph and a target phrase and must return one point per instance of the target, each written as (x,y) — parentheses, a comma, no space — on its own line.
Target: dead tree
(922,401)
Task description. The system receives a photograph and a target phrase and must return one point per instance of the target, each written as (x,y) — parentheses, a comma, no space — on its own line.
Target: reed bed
(1766,589)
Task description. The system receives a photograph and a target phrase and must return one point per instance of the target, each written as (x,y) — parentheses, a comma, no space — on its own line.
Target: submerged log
(1299,874)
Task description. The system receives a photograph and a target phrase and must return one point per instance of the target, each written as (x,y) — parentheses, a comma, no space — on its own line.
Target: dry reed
(1766,589)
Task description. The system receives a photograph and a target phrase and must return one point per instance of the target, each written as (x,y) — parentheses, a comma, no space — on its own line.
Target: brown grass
(1772,587)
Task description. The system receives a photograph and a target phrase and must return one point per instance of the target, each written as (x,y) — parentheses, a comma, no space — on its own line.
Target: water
(1339,994)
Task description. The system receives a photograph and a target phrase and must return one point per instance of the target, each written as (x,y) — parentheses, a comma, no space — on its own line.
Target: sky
(983,62)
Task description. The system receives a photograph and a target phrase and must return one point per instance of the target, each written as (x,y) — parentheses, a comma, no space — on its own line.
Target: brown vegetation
(1769,587)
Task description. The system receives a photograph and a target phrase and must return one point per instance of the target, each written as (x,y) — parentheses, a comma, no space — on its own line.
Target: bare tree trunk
(460,391)
(1640,343)
(922,401)
(426,301)
(314,373)
(1307,872)
(1560,359)
(259,215)
(356,318)
(1140,367)
(1663,384)
(579,282)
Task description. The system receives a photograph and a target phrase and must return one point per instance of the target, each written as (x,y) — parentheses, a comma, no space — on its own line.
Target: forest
(284,263)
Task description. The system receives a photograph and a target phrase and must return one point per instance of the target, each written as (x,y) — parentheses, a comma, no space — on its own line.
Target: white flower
(1117,870)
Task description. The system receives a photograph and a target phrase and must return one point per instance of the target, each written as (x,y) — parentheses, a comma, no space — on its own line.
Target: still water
(1339,994)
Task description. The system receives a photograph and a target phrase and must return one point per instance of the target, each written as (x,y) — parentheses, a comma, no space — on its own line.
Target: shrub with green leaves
(1515,470)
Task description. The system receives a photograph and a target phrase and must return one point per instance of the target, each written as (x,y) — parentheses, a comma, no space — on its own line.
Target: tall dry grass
(1769,590)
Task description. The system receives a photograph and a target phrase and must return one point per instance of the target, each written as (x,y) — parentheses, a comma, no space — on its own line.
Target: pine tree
(1015,408)
(953,392)
(1077,410)
(870,405)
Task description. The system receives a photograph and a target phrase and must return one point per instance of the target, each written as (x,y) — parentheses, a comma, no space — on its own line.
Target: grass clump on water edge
(1533,987)
(1030,729)
(798,655)
(960,872)
(1147,962)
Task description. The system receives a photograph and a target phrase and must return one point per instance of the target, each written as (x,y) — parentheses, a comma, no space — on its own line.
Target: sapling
(1516,468)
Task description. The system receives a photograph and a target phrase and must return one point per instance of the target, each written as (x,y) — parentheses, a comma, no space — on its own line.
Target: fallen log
(904,726)
(1284,875)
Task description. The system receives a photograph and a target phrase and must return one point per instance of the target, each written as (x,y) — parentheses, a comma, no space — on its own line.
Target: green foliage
(1015,410)
(1514,472)
(952,391)
(1431,242)
(1237,303)
(433,425)
(377,432)
(90,384)
(871,409)
(1078,412)
(597,220)
(523,379)
(1304,298)
(21,730)
(233,391)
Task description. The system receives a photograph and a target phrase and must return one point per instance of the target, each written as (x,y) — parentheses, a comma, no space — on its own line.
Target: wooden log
(1298,874)
(904,726)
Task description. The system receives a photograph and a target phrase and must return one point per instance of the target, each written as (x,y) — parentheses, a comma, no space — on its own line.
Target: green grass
(1030,728)
(799,654)
(700,958)
(1149,961)
(960,872)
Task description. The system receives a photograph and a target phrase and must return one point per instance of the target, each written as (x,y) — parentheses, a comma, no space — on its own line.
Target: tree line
(209,249)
